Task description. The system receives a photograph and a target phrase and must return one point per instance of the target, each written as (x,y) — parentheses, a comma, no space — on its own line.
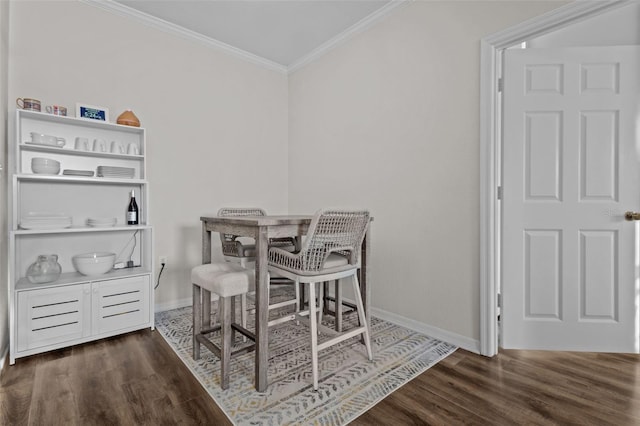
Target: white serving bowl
(45,166)
(97,263)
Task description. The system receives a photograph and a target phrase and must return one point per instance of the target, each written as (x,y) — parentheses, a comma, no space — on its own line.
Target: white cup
(100,145)
(82,144)
(41,139)
(117,147)
(133,149)
(56,110)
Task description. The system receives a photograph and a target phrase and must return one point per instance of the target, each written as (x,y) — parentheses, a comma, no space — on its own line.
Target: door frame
(491,48)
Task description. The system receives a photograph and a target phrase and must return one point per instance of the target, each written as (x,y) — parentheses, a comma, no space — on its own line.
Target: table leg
(365,285)
(262,310)
(206,244)
(206,258)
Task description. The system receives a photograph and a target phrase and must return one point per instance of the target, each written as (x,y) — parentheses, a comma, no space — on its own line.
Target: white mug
(56,110)
(117,147)
(133,149)
(41,139)
(82,144)
(100,145)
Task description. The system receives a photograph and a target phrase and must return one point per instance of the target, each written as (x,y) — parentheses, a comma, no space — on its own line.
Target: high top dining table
(261,228)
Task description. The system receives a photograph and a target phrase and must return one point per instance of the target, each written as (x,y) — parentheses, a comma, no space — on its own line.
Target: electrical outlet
(163,259)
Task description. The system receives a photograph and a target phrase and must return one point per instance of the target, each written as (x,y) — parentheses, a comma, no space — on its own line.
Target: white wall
(212,120)
(390,121)
(4,42)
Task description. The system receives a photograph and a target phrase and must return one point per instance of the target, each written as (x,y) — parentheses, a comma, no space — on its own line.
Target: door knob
(632,215)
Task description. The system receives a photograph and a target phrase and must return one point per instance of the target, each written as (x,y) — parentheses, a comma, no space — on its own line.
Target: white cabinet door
(53,315)
(120,304)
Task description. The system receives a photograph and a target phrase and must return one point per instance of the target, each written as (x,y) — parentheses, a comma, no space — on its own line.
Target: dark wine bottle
(132,210)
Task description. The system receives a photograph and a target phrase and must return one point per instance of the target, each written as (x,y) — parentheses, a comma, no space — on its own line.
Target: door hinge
(499,300)
(499,193)
(500,85)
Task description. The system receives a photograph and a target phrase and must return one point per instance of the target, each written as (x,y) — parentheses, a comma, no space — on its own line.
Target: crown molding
(168,27)
(341,38)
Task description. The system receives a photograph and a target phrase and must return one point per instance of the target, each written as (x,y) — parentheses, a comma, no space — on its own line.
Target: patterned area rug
(349,383)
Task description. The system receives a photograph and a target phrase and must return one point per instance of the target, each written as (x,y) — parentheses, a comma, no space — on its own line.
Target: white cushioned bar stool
(227,280)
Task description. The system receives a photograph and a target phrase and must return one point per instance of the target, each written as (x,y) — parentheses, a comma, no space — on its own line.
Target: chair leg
(320,302)
(361,316)
(325,301)
(296,285)
(302,297)
(225,338)
(197,320)
(314,334)
(243,314)
(338,305)
(232,310)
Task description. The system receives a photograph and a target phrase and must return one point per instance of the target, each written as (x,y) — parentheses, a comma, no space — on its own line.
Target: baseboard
(174,304)
(463,342)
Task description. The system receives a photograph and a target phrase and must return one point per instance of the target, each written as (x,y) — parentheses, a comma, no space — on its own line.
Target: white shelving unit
(76,308)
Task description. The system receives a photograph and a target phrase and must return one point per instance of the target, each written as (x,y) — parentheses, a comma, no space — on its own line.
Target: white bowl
(97,263)
(45,166)
(45,161)
(45,170)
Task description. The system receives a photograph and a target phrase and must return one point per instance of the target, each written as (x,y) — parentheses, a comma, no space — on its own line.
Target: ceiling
(283,32)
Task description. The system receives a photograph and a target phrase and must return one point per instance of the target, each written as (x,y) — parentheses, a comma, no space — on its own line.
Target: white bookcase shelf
(67,278)
(79,198)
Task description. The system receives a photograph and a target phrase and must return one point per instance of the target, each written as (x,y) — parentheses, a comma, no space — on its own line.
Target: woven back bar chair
(235,250)
(232,247)
(331,251)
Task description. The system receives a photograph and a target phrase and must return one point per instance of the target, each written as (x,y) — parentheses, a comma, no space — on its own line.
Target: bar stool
(331,235)
(227,280)
(244,252)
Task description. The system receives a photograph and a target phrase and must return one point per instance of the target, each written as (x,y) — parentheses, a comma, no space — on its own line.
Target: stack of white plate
(45,221)
(116,172)
(72,172)
(101,222)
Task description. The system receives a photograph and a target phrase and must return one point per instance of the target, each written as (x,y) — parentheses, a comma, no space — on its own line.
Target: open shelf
(68,278)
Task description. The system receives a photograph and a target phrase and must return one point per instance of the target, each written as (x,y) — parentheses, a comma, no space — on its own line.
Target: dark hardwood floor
(137,379)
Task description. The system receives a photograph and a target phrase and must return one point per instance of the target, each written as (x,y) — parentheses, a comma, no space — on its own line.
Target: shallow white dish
(102,222)
(72,172)
(50,145)
(34,220)
(96,263)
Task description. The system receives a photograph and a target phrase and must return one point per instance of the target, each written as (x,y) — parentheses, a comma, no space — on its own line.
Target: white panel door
(571,154)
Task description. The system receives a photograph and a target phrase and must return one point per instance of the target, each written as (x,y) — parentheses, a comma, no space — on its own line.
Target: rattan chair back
(330,231)
(230,245)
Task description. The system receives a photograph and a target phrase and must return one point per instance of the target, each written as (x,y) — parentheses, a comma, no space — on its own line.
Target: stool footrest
(215,349)
(240,329)
(344,303)
(237,327)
